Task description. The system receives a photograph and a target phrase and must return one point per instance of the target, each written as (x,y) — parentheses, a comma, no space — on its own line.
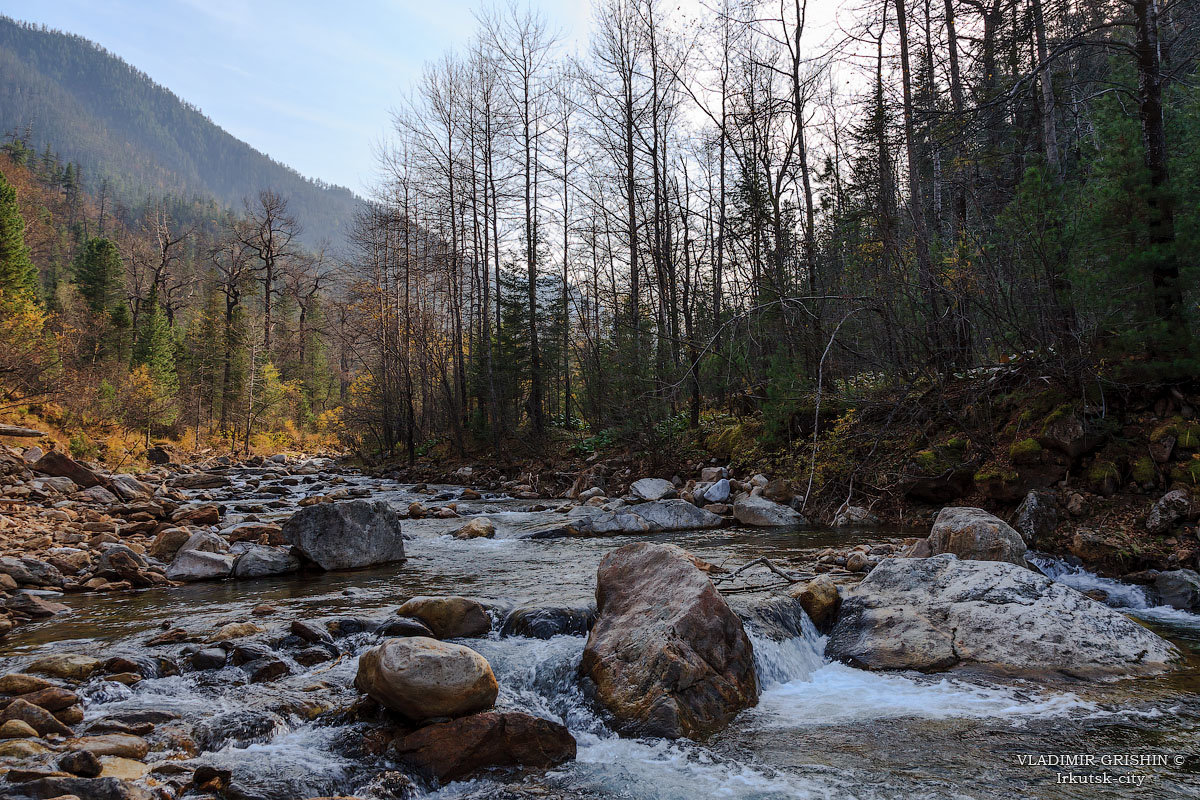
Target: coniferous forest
(723,222)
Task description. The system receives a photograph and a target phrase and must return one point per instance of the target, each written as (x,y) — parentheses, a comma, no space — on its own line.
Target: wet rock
(260,560)
(405,626)
(758,512)
(857,562)
(972,533)
(317,654)
(936,613)
(477,528)
(32,605)
(20,683)
(666,654)
(84,789)
(449,617)
(72,666)
(17,729)
(266,669)
(652,489)
(676,515)
(1168,510)
(22,748)
(208,658)
(240,728)
(346,535)
(542,622)
(310,632)
(36,717)
(255,532)
(855,517)
(234,630)
(592,521)
(199,565)
(423,678)
(1179,588)
(820,600)
(454,750)
(61,465)
(112,744)
(52,698)
(1036,518)
(83,763)
(347,626)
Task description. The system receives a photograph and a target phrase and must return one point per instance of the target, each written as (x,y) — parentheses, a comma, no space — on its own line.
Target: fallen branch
(760,562)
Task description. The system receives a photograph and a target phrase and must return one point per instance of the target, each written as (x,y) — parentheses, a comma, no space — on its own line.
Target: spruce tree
(17,273)
(98,274)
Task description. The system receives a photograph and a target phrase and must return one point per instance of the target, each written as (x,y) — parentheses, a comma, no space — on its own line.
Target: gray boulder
(759,512)
(941,612)
(201,480)
(652,488)
(199,565)
(676,515)
(346,535)
(592,521)
(1179,588)
(718,492)
(1167,510)
(260,560)
(98,494)
(1036,518)
(974,534)
(129,488)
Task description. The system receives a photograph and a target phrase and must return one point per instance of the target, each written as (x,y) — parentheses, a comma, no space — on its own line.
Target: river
(821,729)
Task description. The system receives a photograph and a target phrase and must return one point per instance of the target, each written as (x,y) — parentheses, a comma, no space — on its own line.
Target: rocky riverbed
(244,686)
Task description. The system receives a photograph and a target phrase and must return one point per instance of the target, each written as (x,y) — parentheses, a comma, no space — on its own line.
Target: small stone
(83,763)
(17,729)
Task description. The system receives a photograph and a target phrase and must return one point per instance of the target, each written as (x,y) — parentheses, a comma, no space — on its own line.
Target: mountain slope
(95,109)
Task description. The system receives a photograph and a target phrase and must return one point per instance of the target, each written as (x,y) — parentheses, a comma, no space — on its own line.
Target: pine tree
(17,273)
(98,275)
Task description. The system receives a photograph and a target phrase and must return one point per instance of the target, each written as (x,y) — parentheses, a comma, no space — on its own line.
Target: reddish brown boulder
(462,747)
(667,655)
(61,465)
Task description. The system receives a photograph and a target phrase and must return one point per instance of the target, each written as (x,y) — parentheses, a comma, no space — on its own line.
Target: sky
(312,83)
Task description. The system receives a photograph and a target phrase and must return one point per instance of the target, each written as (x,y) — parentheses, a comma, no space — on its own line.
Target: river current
(820,730)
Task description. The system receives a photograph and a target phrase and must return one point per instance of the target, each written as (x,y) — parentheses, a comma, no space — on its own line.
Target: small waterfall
(1123,596)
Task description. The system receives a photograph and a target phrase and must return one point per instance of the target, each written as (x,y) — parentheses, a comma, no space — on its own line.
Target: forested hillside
(134,138)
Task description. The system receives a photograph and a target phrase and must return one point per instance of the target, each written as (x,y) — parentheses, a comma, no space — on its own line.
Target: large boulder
(543,622)
(667,655)
(201,480)
(718,492)
(423,678)
(652,488)
(346,535)
(941,612)
(759,512)
(451,751)
(854,517)
(1179,588)
(1167,510)
(61,465)
(972,533)
(449,617)
(130,488)
(676,515)
(591,521)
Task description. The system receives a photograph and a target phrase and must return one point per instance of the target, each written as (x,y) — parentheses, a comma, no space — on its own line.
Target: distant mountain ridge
(94,108)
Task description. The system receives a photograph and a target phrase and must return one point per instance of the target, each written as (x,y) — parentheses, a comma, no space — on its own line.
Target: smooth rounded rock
(423,678)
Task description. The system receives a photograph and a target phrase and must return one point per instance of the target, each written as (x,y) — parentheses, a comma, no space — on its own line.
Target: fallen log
(17,430)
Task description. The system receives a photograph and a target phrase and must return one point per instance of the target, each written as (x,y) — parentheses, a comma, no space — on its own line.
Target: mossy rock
(1026,451)
(1104,477)
(1187,472)
(1143,471)
(999,483)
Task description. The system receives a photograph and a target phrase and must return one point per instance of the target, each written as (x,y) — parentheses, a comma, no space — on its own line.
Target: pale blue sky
(310,83)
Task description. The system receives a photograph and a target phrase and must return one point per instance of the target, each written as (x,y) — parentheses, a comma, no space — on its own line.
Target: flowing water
(820,730)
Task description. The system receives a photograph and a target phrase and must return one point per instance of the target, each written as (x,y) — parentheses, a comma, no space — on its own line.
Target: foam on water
(1125,596)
